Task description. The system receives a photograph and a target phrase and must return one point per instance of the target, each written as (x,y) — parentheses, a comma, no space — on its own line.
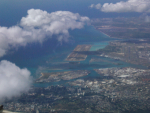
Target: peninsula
(76,55)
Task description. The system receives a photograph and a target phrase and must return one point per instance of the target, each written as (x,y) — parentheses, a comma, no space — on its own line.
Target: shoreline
(111,36)
(103,32)
(107,34)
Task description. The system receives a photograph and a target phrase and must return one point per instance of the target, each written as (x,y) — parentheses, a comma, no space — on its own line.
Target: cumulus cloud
(128,6)
(13,80)
(16,36)
(37,25)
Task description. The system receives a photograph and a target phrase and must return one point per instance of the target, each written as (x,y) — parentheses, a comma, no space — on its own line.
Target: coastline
(107,34)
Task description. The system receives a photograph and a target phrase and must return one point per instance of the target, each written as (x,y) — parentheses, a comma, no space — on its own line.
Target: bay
(51,54)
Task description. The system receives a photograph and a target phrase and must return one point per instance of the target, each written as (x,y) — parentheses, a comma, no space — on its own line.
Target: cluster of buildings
(118,90)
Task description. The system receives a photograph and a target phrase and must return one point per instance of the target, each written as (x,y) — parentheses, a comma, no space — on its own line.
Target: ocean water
(99,45)
(51,53)
(50,56)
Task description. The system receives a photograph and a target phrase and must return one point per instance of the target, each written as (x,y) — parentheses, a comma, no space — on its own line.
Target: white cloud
(147,19)
(128,6)
(92,5)
(16,36)
(13,80)
(97,6)
(54,23)
(37,25)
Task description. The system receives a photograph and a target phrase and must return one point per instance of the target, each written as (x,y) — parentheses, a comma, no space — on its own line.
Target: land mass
(76,56)
(57,76)
(121,90)
(124,28)
(134,52)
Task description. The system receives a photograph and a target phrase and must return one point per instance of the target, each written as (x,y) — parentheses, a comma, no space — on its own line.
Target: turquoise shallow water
(98,45)
(51,55)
